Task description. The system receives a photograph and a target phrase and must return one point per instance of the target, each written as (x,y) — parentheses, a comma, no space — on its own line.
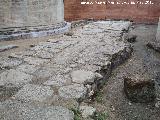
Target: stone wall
(138,13)
(20,13)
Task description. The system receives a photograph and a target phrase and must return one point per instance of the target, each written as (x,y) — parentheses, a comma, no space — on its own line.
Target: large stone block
(82,76)
(139,90)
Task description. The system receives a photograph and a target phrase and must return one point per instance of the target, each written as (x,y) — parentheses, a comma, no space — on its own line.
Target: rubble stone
(87,111)
(131,38)
(139,90)
(82,76)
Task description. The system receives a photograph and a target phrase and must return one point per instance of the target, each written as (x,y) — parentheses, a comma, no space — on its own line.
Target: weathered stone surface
(29,69)
(87,111)
(43,73)
(139,90)
(35,61)
(73,91)
(10,63)
(14,77)
(68,103)
(22,54)
(82,76)
(32,92)
(44,54)
(15,110)
(7,47)
(57,80)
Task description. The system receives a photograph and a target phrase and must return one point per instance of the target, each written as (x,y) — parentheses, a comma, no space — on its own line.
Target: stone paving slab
(52,66)
(10,63)
(14,78)
(32,92)
(58,80)
(73,91)
(35,61)
(15,110)
(29,69)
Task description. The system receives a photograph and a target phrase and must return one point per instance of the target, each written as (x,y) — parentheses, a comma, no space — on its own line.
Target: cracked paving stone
(35,61)
(32,92)
(29,69)
(15,110)
(83,76)
(43,73)
(10,63)
(14,77)
(73,91)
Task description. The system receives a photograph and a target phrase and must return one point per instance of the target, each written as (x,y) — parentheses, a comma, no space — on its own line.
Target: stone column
(158,32)
(19,17)
(20,13)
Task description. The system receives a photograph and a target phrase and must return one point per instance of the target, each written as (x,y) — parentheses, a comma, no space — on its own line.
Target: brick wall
(139,13)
